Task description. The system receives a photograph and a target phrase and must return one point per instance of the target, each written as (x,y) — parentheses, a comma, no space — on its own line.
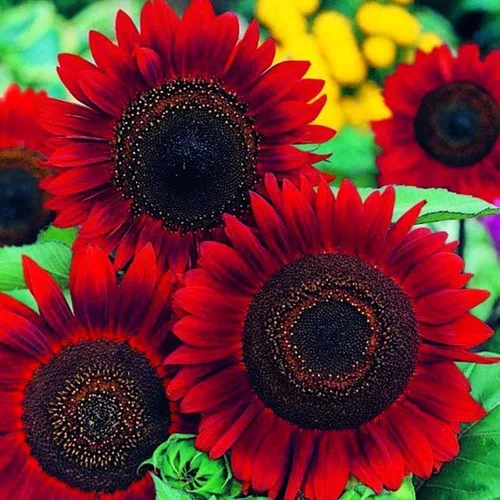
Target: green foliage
(481,260)
(53,256)
(475,474)
(358,491)
(52,251)
(431,20)
(353,156)
(30,40)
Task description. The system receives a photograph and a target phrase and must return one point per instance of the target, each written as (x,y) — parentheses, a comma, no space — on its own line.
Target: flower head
(23,143)
(322,343)
(446,123)
(177,123)
(83,393)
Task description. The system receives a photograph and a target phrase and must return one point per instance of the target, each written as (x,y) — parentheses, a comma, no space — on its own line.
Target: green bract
(358,491)
(182,467)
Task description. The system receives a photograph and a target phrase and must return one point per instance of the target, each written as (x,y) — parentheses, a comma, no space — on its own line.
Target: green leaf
(52,233)
(430,20)
(481,260)
(24,295)
(166,492)
(356,490)
(53,256)
(441,204)
(353,154)
(475,473)
(491,6)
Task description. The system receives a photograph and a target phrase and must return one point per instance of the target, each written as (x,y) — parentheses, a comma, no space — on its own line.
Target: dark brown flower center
(94,413)
(186,153)
(458,124)
(330,342)
(22,215)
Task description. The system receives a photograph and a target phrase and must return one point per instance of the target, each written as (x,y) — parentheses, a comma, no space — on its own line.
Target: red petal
(49,297)
(227,266)
(23,336)
(400,229)
(236,429)
(126,31)
(272,456)
(93,289)
(332,467)
(446,305)
(273,230)
(411,441)
(383,455)
(347,217)
(300,219)
(225,385)
(273,85)
(136,289)
(150,66)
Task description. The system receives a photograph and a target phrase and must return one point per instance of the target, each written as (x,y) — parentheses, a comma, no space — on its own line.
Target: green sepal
(356,490)
(179,464)
(166,492)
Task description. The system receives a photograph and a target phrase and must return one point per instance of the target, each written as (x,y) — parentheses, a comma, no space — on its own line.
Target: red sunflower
(446,123)
(23,143)
(82,395)
(179,122)
(323,344)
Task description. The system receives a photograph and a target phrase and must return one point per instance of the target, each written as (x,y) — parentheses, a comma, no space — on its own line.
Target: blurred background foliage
(352,44)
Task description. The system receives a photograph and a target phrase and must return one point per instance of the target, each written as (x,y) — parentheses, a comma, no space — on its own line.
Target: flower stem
(461,238)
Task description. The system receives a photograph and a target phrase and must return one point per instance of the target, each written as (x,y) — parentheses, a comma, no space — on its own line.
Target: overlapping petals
(137,311)
(416,433)
(165,48)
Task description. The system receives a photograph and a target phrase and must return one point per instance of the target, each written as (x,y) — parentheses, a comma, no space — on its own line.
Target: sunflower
(446,122)
(82,395)
(179,122)
(23,143)
(322,343)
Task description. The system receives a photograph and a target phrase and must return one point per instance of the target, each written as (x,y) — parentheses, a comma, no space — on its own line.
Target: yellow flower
(392,21)
(339,47)
(371,99)
(403,2)
(429,41)
(285,22)
(332,115)
(354,112)
(281,54)
(306,7)
(379,51)
(305,48)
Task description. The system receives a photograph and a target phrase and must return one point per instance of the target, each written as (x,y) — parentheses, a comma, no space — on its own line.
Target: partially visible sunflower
(323,344)
(446,123)
(179,122)
(23,143)
(82,394)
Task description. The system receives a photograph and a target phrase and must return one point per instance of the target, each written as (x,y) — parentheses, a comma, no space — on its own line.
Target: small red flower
(179,122)
(23,143)
(82,394)
(446,123)
(322,343)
